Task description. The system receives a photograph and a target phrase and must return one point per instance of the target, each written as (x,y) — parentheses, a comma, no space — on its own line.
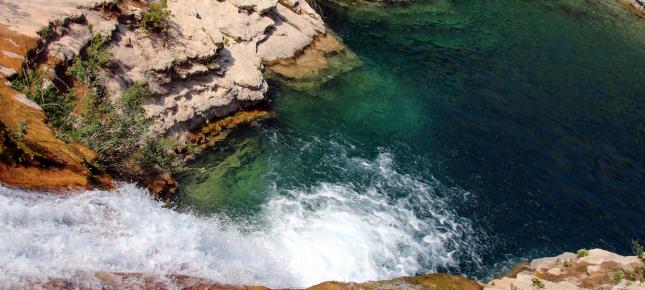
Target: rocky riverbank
(206,64)
(593,269)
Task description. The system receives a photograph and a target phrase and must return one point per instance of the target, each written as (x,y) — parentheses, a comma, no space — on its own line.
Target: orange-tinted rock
(15,47)
(430,282)
(42,179)
(32,156)
(323,59)
(212,133)
(160,185)
(148,282)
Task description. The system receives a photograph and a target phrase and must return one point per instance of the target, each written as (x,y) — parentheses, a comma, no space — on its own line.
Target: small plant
(513,287)
(618,277)
(98,55)
(639,250)
(567,263)
(537,283)
(155,19)
(46,31)
(19,133)
(582,253)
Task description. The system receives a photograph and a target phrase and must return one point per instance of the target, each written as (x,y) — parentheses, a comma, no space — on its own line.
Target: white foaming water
(326,232)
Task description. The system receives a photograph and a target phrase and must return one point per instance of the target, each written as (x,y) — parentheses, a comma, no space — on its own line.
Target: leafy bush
(582,253)
(118,131)
(638,249)
(56,105)
(618,277)
(155,19)
(98,55)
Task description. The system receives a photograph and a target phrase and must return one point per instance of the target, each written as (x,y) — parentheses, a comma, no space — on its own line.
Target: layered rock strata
(206,65)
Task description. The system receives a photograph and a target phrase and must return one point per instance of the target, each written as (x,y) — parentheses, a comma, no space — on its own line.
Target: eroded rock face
(31,155)
(208,64)
(600,269)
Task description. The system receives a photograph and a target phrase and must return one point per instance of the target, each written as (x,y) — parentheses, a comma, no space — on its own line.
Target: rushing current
(475,134)
(308,235)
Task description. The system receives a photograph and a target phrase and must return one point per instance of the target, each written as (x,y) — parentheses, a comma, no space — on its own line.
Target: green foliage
(56,105)
(132,98)
(98,55)
(618,277)
(118,131)
(638,249)
(155,19)
(582,253)
(537,283)
(513,287)
(157,152)
(120,135)
(45,32)
(19,133)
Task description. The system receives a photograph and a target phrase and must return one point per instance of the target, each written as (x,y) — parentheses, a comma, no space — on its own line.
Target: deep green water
(475,134)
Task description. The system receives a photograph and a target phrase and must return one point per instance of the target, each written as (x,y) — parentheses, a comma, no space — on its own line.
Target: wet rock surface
(142,281)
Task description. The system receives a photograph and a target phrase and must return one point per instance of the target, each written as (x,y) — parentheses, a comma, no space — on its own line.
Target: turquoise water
(474,135)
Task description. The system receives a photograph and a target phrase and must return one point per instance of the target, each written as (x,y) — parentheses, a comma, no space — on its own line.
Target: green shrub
(638,250)
(45,31)
(117,131)
(582,253)
(19,133)
(56,105)
(618,277)
(97,55)
(537,283)
(155,19)
(120,135)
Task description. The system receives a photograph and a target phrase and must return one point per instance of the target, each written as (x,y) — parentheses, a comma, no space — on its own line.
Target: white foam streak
(326,232)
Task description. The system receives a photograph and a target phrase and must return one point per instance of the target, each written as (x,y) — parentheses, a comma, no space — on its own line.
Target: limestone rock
(207,64)
(599,270)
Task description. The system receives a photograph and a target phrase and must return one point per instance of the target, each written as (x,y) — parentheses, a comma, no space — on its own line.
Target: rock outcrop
(31,155)
(594,269)
(208,64)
